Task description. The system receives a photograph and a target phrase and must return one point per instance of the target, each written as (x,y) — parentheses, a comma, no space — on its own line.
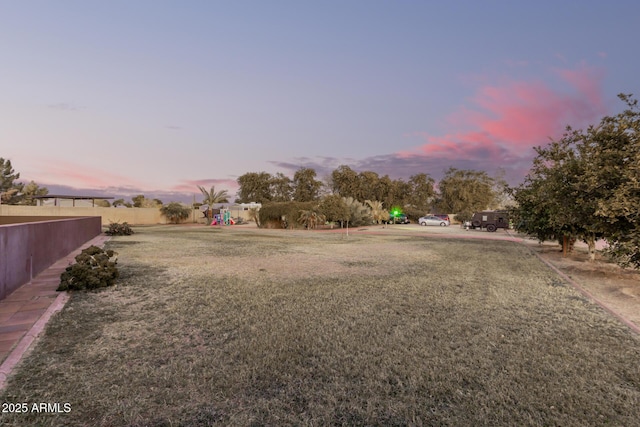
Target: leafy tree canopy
(306,187)
(465,191)
(254,187)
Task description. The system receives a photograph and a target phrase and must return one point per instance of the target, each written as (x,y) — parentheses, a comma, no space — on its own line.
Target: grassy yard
(214,326)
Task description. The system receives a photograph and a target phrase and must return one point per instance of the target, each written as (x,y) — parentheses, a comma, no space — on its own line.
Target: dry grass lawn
(212,326)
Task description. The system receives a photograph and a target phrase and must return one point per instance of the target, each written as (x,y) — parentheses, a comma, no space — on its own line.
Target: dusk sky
(120,98)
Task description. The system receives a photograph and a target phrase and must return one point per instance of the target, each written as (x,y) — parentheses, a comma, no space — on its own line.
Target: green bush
(283,214)
(118,229)
(94,268)
(176,212)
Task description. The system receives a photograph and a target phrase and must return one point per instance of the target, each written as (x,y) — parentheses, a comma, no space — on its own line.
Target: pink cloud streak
(508,120)
(61,172)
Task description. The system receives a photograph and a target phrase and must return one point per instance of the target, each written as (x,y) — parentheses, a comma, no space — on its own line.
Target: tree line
(459,191)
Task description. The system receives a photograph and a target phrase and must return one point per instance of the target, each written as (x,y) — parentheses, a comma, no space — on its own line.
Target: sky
(119,98)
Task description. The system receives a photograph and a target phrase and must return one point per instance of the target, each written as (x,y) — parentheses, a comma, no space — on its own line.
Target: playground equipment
(224,217)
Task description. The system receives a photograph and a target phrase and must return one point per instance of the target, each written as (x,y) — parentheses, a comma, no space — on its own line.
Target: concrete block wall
(28,248)
(133,216)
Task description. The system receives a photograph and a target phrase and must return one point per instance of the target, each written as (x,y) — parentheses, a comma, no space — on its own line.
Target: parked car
(398,219)
(433,220)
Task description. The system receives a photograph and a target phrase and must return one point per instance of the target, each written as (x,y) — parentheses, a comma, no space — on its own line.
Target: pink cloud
(61,172)
(507,120)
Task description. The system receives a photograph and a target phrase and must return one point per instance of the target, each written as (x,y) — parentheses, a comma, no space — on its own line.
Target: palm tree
(359,213)
(377,212)
(212,197)
(311,218)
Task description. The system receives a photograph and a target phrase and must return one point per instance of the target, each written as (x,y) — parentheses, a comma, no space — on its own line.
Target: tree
(359,214)
(9,188)
(212,197)
(344,181)
(334,208)
(552,202)
(368,186)
(281,188)
(388,191)
(175,212)
(378,213)
(254,187)
(502,198)
(29,191)
(615,178)
(310,218)
(465,191)
(422,193)
(306,186)
(140,201)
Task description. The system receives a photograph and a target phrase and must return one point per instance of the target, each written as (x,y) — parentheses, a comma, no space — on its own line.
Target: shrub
(94,268)
(175,212)
(283,214)
(118,229)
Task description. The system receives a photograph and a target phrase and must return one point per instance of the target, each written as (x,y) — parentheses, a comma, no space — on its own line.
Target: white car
(433,220)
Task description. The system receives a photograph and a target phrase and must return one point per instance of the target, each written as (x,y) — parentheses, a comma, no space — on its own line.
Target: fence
(28,248)
(133,216)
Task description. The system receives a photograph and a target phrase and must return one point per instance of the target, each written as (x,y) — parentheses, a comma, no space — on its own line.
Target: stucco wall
(133,216)
(26,249)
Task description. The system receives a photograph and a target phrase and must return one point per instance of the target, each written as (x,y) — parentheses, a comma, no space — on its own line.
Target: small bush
(94,268)
(118,229)
(286,214)
(176,212)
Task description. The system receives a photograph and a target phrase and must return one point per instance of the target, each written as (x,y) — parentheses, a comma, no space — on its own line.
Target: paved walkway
(25,312)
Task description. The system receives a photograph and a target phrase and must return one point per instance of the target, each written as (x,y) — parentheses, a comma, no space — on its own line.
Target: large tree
(281,188)
(369,187)
(10,189)
(422,193)
(254,187)
(554,202)
(614,178)
(306,186)
(463,191)
(344,181)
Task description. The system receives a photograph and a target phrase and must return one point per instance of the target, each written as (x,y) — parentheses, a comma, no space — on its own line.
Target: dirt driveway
(615,288)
